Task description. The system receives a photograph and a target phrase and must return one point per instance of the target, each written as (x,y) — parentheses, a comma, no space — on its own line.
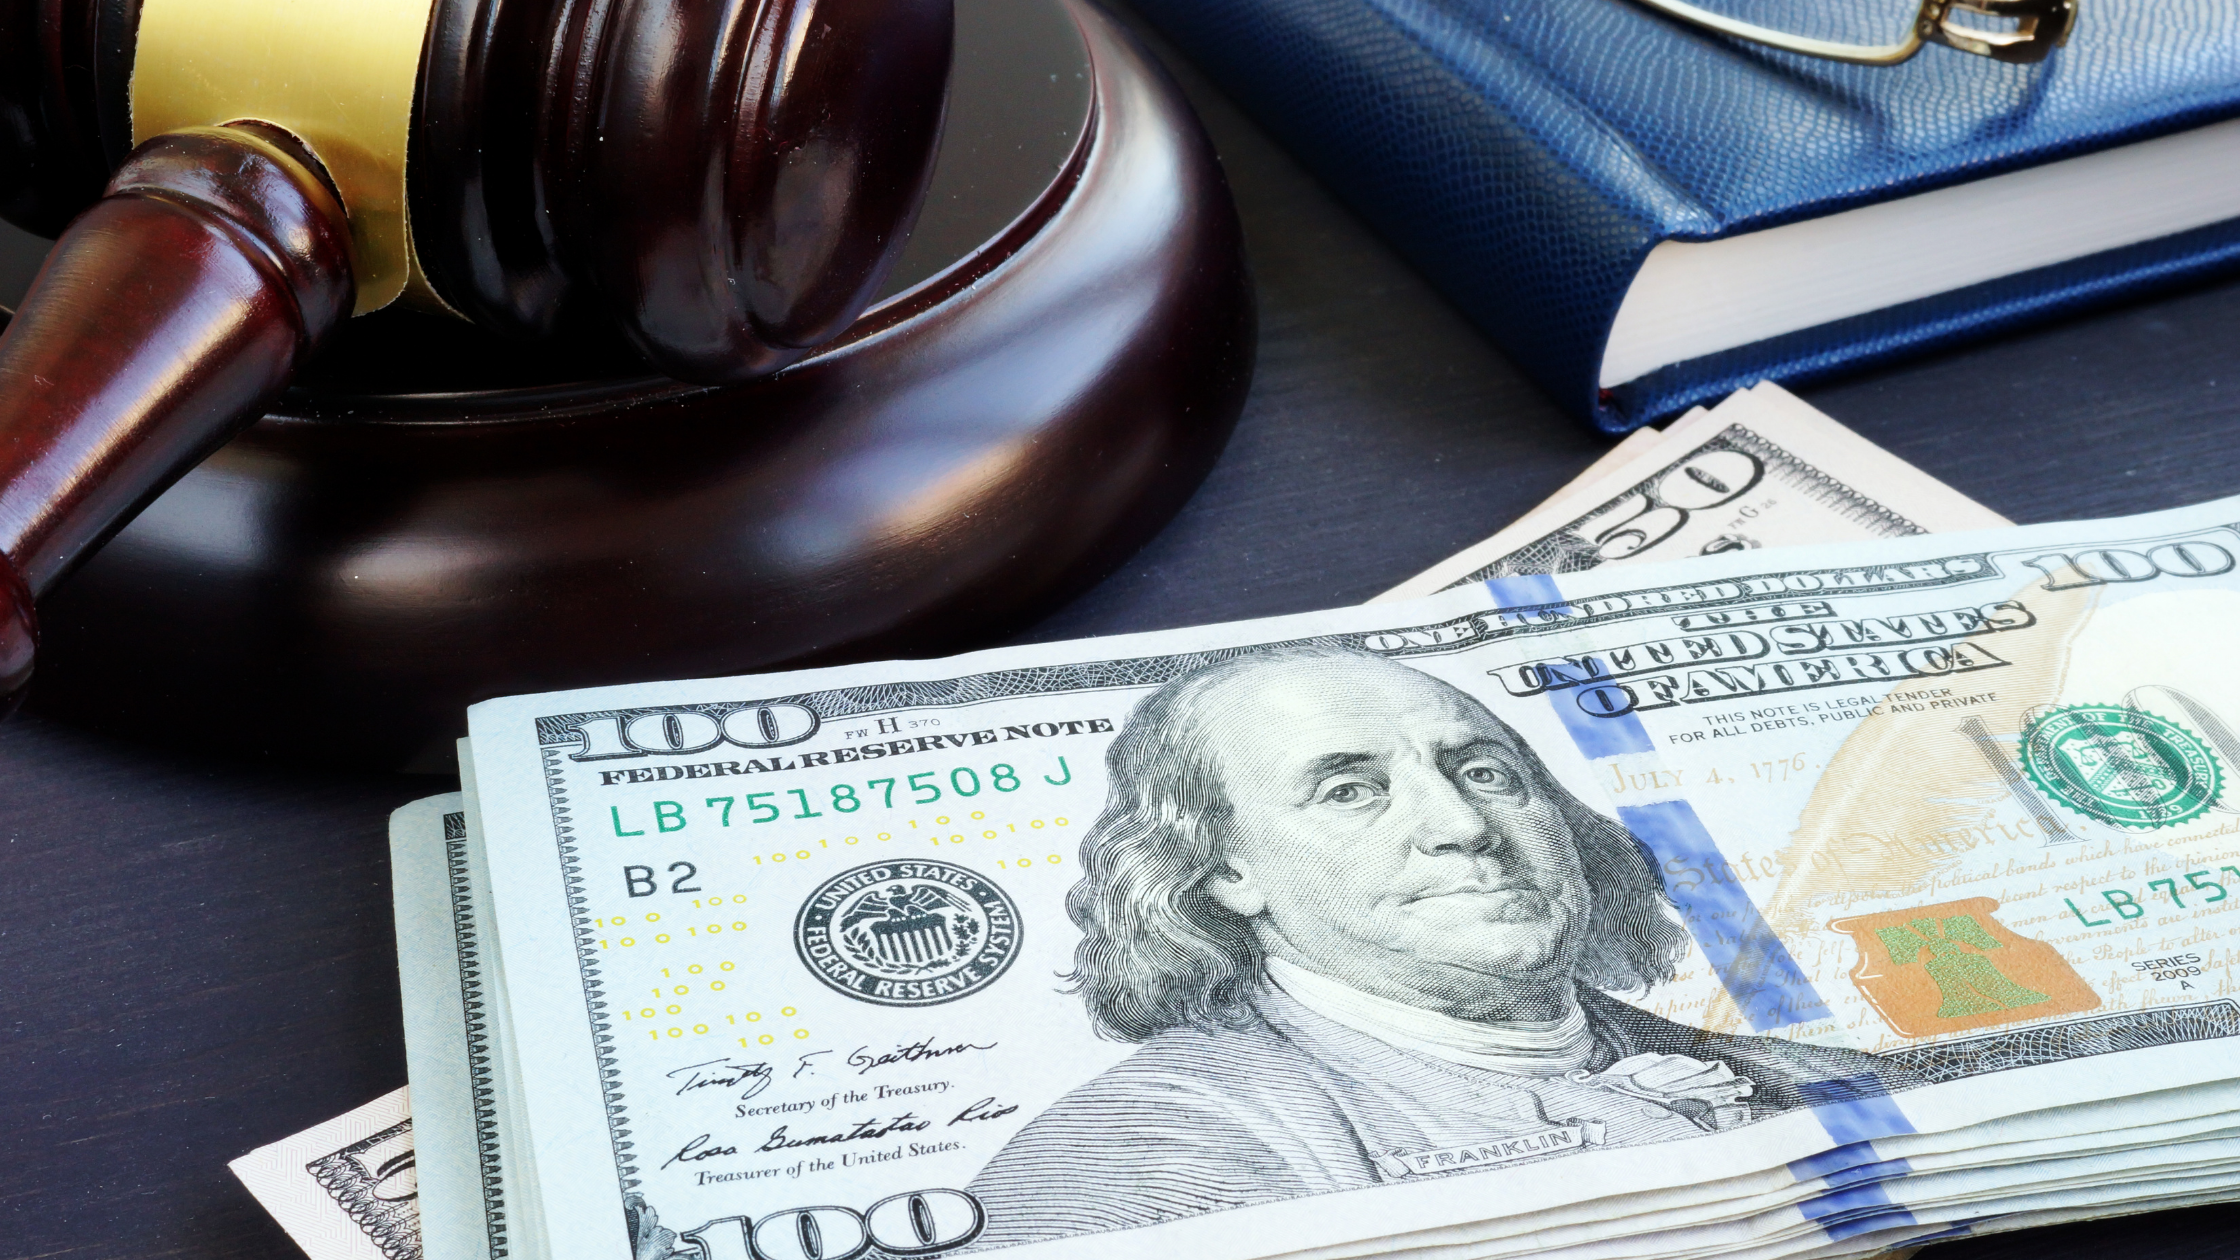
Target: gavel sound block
(433,516)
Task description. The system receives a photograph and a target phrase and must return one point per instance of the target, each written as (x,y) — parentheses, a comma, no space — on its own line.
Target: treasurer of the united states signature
(705,1147)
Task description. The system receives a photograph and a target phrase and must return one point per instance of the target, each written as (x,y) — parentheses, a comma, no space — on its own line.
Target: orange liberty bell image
(1953,966)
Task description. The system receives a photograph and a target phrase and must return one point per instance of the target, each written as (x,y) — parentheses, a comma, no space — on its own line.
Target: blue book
(1647,215)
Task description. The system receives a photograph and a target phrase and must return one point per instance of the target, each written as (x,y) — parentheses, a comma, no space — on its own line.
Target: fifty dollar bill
(1762,469)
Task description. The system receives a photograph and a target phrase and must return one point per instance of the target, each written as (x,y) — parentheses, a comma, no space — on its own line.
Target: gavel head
(724,182)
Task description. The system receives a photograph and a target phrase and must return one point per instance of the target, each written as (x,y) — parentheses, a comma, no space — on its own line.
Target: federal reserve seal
(907,933)
(2122,766)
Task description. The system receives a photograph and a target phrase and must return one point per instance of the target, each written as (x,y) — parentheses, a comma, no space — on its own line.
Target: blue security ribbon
(1859,1210)
(1749,959)
(1596,736)
(1855,1111)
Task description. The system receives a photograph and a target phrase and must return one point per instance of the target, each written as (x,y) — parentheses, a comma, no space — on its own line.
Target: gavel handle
(167,318)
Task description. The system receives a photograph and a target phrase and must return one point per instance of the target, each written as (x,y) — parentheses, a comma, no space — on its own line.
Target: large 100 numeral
(2190,558)
(772,725)
(920,1223)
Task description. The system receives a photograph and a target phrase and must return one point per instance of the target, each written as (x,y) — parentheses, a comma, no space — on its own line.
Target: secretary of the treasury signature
(864,1059)
(748,1078)
(1362,934)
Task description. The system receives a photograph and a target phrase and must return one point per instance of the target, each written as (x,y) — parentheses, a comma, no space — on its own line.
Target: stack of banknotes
(1760,850)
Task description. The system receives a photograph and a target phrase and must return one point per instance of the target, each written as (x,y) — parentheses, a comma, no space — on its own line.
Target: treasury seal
(2122,766)
(907,933)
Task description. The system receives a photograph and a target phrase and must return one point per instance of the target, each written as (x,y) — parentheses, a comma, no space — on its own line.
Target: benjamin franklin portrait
(1361,935)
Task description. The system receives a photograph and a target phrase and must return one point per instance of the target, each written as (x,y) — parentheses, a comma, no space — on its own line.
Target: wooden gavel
(724,183)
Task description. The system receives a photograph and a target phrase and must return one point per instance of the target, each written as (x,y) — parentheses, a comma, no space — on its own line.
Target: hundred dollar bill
(1762,469)
(346,1189)
(1762,874)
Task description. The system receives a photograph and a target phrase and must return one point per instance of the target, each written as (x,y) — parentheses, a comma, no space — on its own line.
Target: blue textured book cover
(1528,154)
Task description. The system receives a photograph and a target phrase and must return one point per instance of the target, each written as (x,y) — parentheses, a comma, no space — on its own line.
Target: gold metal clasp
(2040,27)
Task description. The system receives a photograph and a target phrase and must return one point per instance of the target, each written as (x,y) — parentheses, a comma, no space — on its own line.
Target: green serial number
(2124,904)
(755,808)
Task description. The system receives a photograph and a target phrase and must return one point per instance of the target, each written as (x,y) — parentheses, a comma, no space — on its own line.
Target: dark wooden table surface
(196,954)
